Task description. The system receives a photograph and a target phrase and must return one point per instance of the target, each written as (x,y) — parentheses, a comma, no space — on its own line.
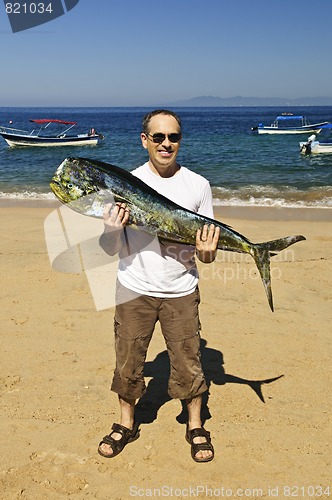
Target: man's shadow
(156,394)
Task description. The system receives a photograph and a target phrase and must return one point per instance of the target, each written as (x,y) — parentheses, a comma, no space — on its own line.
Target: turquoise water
(243,168)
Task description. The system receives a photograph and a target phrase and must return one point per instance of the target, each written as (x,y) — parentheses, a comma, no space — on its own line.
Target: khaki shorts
(134,323)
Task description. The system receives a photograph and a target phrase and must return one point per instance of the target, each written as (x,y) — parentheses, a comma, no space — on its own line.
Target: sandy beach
(272,437)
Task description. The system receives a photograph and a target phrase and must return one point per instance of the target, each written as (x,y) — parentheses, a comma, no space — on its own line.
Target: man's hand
(115,216)
(207,243)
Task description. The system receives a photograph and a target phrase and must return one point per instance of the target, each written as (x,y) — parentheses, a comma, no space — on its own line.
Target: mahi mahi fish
(87,185)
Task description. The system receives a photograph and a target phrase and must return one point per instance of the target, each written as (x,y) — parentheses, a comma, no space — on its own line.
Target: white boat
(315,147)
(289,124)
(16,137)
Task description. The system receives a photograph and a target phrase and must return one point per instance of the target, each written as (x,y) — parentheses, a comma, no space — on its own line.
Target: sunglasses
(158,138)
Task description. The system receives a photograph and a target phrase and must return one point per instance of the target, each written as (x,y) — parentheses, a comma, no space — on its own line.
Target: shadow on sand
(156,394)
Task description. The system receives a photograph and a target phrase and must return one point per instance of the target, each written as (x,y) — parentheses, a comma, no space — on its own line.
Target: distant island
(211,101)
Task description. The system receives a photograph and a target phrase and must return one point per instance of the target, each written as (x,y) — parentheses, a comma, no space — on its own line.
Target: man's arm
(115,219)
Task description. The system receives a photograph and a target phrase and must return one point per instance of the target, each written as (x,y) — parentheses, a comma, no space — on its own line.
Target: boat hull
(315,147)
(15,140)
(291,130)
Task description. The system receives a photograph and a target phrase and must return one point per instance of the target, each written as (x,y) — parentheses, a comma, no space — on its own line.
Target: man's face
(162,153)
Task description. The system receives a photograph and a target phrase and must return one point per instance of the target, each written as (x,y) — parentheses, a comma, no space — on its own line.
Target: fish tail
(261,252)
(282,243)
(261,255)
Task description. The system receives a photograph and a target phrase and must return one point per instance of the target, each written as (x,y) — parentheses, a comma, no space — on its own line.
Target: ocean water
(243,168)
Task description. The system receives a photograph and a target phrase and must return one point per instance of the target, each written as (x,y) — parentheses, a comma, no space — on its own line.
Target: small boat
(289,124)
(316,147)
(16,137)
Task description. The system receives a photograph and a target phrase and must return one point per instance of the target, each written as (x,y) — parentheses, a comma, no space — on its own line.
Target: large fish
(87,185)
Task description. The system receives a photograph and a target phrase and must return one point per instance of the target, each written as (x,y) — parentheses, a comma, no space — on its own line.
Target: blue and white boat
(289,124)
(40,137)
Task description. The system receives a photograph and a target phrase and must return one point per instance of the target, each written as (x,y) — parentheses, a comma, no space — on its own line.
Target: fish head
(74,179)
(78,183)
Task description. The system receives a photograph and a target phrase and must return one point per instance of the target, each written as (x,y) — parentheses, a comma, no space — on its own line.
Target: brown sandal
(196,447)
(117,445)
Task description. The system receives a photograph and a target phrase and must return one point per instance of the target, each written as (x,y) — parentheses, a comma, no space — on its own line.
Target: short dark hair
(148,116)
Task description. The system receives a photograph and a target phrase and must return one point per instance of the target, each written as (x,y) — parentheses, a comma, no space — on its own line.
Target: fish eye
(70,185)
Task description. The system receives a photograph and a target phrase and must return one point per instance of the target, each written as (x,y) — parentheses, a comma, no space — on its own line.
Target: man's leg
(194,406)
(134,321)
(127,410)
(180,326)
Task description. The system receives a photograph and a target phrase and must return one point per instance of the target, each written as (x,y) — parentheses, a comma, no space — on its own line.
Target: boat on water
(40,136)
(312,146)
(289,124)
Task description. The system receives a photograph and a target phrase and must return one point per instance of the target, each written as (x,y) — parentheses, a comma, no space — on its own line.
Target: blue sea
(243,168)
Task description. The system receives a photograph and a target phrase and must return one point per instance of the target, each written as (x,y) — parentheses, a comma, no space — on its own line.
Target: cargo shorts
(134,322)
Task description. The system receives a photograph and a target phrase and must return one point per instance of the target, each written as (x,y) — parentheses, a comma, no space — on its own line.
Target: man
(159,283)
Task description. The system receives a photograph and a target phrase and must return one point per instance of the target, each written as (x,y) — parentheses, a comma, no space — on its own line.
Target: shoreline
(221,211)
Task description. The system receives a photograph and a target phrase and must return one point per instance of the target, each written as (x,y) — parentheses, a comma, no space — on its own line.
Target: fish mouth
(57,189)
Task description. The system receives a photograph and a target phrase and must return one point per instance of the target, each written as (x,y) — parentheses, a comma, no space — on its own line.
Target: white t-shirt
(164,269)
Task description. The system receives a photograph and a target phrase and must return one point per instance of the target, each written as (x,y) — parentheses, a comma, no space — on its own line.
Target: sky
(153,52)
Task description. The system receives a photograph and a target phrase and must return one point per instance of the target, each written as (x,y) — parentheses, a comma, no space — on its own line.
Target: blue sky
(150,52)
